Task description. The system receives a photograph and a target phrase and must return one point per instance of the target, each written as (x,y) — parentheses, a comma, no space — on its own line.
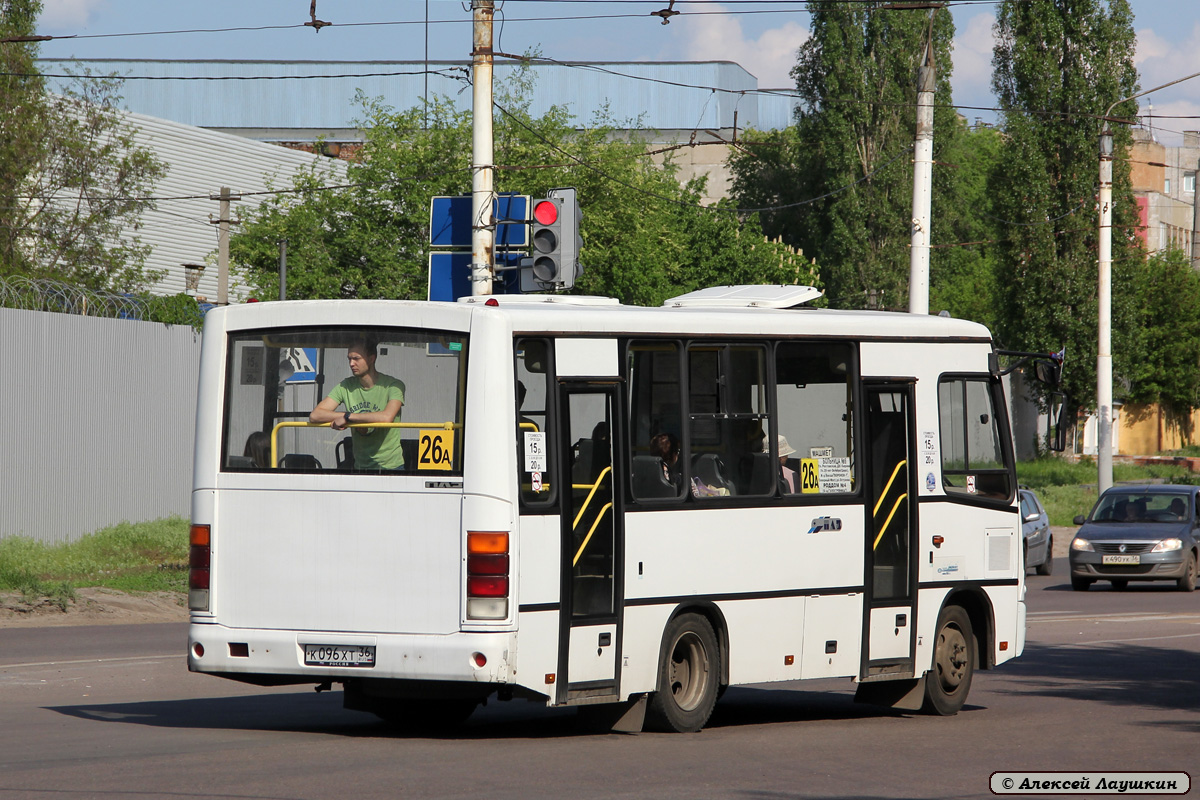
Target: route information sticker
(825,475)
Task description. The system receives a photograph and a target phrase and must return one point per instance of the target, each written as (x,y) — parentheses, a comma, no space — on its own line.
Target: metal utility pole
(283,269)
(222,223)
(483,193)
(1104,325)
(918,277)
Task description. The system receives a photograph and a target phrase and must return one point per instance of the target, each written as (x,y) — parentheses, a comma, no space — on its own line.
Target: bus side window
(655,397)
(531,411)
(973,462)
(814,393)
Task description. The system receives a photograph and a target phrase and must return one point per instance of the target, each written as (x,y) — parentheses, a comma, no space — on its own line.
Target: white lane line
(1060,616)
(91,661)
(1139,639)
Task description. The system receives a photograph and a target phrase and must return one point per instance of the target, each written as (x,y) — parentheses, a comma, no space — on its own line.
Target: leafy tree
(72,178)
(1059,65)
(1165,365)
(645,237)
(839,184)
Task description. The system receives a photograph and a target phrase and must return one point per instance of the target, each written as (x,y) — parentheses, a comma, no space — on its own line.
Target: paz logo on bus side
(825,524)
(435,449)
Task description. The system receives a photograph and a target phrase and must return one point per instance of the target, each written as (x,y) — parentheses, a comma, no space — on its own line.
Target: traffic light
(555,238)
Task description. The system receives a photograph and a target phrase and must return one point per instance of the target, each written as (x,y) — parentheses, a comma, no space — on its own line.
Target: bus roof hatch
(745,297)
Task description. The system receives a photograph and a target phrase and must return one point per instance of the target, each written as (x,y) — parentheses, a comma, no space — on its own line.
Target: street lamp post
(1104,325)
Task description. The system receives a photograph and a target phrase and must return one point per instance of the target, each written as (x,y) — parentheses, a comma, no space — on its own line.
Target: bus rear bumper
(278,656)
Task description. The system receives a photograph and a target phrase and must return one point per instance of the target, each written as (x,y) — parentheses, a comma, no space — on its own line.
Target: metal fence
(99,422)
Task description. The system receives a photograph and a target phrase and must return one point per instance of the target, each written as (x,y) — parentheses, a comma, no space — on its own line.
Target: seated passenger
(1178,508)
(787,475)
(666,448)
(258,449)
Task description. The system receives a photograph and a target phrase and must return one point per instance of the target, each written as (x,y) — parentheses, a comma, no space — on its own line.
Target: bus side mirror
(1048,372)
(1058,404)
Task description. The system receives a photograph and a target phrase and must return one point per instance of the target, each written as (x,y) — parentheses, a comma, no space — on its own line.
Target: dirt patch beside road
(93,606)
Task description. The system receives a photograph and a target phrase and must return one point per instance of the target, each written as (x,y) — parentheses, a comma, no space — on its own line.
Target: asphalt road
(1109,681)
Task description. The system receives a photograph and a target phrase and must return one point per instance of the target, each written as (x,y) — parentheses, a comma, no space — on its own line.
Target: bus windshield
(276,378)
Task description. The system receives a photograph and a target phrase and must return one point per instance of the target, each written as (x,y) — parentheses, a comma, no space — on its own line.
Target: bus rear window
(276,378)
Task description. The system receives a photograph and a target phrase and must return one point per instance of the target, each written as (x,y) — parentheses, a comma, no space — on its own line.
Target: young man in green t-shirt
(368,396)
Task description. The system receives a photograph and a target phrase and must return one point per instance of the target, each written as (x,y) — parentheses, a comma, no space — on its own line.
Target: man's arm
(389,413)
(326,411)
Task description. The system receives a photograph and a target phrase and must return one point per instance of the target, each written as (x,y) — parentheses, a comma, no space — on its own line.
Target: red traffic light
(545,212)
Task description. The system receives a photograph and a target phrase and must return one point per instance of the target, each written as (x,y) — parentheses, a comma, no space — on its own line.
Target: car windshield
(1133,507)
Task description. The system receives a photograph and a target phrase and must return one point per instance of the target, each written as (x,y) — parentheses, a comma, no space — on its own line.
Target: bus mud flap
(625,717)
(906,695)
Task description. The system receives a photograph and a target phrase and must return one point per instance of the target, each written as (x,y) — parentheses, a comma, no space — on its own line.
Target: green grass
(1067,489)
(130,557)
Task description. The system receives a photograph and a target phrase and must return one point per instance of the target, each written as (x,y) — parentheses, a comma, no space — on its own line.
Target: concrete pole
(1196,225)
(482,168)
(918,279)
(222,223)
(1104,327)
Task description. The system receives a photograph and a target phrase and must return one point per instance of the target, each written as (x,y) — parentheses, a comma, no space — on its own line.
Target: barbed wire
(44,294)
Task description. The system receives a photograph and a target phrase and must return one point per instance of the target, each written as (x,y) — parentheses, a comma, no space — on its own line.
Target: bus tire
(689,674)
(955,654)
(1047,566)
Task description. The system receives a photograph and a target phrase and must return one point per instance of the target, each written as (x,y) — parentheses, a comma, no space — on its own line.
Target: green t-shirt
(374,448)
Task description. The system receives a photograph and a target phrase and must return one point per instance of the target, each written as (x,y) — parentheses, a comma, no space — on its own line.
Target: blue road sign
(450,221)
(450,275)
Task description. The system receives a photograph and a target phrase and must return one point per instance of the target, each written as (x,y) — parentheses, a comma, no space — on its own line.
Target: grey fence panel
(98,425)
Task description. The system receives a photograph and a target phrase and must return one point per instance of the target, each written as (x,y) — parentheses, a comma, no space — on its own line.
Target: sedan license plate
(1120,559)
(339,655)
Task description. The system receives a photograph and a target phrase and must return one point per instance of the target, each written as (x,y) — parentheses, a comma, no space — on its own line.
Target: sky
(761,36)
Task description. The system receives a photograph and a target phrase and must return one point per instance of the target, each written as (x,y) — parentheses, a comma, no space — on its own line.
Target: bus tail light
(199,566)
(488,568)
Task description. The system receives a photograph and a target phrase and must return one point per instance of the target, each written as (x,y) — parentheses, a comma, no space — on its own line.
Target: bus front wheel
(955,653)
(689,674)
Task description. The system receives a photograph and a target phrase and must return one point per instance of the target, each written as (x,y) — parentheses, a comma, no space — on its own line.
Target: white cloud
(972,78)
(770,57)
(68,14)
(1161,60)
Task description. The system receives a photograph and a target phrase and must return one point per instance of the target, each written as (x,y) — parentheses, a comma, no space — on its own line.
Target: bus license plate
(341,655)
(1121,559)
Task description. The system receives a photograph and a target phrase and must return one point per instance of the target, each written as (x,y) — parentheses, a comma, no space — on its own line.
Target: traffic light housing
(554,263)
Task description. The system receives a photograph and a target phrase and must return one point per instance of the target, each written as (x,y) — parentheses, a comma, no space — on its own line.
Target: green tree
(74,182)
(1059,65)
(839,184)
(645,237)
(1165,365)
(22,112)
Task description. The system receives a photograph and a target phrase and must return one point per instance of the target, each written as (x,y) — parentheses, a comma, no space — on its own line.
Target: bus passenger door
(591,584)
(891,531)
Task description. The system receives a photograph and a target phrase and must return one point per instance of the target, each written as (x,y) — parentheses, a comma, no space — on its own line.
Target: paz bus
(540,541)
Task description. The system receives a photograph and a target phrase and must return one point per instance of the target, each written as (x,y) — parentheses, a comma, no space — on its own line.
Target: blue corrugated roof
(651,95)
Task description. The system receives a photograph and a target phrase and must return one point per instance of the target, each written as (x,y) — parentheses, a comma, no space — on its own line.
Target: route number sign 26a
(435,449)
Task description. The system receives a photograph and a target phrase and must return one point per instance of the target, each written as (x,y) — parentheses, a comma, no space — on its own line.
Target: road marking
(91,661)
(1138,639)
(1069,616)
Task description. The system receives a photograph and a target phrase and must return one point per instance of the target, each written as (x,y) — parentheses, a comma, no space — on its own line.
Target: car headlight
(1082,545)
(1167,545)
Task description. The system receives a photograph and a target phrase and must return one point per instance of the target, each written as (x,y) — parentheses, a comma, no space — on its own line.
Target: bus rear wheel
(689,674)
(955,653)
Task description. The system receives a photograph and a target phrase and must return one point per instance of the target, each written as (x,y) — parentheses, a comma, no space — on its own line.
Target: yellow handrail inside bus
(593,487)
(888,521)
(531,426)
(883,494)
(448,426)
(583,546)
